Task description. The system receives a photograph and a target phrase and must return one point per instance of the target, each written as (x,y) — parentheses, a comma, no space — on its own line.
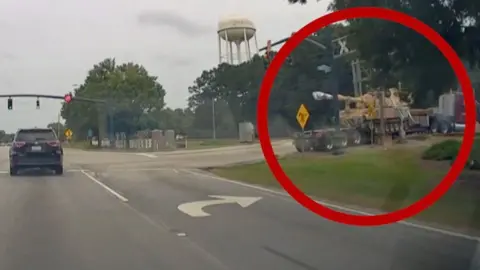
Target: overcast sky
(46,46)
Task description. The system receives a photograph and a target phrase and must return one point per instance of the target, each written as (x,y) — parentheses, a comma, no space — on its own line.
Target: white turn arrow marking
(195,209)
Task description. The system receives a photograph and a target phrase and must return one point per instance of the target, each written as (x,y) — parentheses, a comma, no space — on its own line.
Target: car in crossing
(36,148)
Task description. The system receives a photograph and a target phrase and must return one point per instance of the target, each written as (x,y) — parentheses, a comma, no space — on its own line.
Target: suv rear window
(30,135)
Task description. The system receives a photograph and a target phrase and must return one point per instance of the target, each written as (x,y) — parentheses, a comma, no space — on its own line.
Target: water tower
(236,30)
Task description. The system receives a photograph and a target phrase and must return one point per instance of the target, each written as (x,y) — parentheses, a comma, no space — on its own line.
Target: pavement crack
(290,259)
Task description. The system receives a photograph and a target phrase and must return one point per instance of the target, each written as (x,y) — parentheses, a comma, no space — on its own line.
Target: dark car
(36,148)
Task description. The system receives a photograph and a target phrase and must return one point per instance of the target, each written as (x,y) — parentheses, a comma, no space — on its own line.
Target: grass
(79,145)
(193,144)
(210,143)
(381,179)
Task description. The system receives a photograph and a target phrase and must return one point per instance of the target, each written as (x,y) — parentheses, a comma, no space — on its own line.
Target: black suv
(36,148)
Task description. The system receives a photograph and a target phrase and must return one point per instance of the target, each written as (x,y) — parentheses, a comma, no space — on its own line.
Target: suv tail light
(18,144)
(54,143)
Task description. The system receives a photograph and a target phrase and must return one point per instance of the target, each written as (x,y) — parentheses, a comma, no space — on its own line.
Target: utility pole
(339,49)
(382,117)
(111,125)
(359,75)
(402,133)
(58,125)
(214,124)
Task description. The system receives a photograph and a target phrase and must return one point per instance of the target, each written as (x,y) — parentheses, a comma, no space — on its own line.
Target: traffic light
(268,54)
(10,103)
(68,98)
(266,60)
(38,103)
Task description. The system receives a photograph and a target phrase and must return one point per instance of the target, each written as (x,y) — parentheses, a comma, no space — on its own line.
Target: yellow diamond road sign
(302,116)
(68,133)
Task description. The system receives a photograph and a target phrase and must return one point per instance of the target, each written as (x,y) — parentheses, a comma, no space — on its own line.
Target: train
(361,119)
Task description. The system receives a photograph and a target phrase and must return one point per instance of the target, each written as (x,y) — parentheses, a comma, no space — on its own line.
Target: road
(178,159)
(128,218)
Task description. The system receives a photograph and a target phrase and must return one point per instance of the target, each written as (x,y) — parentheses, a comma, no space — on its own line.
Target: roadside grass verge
(380,179)
(194,144)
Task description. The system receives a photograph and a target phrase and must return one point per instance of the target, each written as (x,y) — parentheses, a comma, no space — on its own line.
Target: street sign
(68,133)
(302,116)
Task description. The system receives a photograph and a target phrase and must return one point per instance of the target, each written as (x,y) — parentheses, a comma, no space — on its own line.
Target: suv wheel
(13,171)
(59,170)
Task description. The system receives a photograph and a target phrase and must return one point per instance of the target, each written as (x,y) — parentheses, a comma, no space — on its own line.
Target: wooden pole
(382,117)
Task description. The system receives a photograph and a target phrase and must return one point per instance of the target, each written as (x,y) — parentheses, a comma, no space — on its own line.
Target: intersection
(144,213)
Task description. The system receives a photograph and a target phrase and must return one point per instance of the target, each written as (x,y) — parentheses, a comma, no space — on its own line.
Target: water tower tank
(236,30)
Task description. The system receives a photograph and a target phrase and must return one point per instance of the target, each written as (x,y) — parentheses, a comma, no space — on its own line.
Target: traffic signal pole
(333,67)
(55,97)
(68,98)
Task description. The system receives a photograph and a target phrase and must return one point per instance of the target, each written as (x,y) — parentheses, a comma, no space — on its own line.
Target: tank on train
(359,120)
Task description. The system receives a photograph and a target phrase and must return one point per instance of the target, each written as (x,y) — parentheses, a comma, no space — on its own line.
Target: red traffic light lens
(68,98)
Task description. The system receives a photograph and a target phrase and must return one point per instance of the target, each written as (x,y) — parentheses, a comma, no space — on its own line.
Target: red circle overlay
(373,13)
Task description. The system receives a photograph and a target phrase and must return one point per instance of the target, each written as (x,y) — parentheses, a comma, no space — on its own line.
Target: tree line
(392,52)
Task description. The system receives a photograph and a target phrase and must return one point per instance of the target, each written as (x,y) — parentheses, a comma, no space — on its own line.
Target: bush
(446,150)
(475,155)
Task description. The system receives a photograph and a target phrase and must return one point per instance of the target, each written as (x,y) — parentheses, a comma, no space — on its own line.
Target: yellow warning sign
(302,116)
(68,133)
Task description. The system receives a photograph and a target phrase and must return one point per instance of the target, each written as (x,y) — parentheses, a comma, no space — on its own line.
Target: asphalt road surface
(129,218)
(176,159)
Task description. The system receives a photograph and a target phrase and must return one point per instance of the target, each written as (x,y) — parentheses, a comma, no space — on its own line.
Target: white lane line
(113,192)
(137,169)
(146,155)
(285,195)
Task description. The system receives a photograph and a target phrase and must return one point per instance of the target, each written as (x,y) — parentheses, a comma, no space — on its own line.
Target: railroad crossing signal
(302,116)
(68,133)
(341,47)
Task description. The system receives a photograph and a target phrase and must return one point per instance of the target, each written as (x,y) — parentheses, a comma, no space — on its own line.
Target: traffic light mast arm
(55,97)
(274,44)
(312,41)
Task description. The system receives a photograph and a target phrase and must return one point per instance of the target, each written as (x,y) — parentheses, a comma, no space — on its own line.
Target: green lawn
(192,144)
(210,143)
(381,179)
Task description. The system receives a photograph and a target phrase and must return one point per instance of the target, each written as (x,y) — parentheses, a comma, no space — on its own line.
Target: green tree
(59,129)
(239,85)
(179,120)
(7,137)
(3,136)
(131,94)
(396,53)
